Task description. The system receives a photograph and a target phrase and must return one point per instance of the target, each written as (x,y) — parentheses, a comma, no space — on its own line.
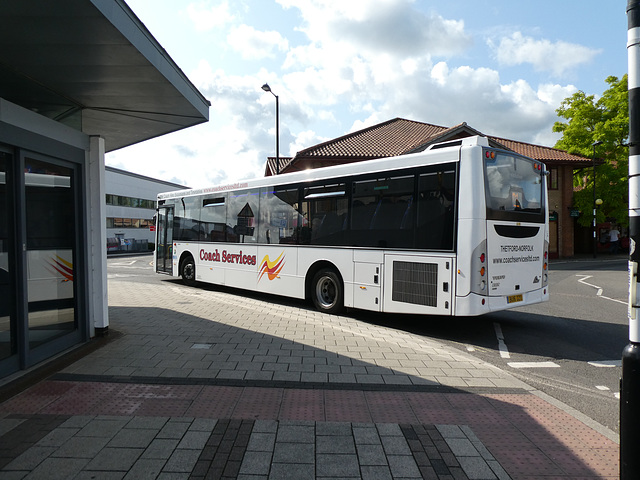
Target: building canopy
(92,65)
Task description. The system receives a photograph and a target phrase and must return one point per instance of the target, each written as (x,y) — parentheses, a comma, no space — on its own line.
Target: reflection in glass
(51,231)
(7,320)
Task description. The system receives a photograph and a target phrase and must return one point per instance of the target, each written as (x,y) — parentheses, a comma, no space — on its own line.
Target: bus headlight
(483,285)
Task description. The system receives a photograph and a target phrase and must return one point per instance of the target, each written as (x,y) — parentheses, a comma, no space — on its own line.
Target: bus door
(164,240)
(418,284)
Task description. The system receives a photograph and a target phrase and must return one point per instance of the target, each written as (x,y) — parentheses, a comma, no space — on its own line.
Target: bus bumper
(474,304)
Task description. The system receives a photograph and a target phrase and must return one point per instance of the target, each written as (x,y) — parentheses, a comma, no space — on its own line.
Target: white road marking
(123,263)
(617,395)
(470,348)
(533,365)
(606,363)
(504,351)
(602,387)
(599,292)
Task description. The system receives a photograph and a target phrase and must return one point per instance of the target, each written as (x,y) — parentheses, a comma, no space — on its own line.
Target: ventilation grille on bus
(415,283)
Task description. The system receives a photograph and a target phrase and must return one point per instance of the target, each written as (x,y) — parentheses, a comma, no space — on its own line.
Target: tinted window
(383,212)
(186,222)
(280,220)
(213,217)
(436,202)
(325,214)
(242,214)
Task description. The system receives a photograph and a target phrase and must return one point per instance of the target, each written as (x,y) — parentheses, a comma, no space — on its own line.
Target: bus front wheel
(188,271)
(327,294)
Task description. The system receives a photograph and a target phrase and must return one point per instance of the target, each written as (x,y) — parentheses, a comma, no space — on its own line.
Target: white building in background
(131,209)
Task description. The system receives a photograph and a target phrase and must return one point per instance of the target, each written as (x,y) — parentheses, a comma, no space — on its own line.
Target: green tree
(605,120)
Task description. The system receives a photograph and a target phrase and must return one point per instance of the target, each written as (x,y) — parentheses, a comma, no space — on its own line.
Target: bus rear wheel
(327,293)
(188,271)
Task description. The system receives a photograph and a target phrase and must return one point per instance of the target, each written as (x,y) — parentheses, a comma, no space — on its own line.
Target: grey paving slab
(292,433)
(261,442)
(181,461)
(283,471)
(335,444)
(337,465)
(81,447)
(476,468)
(371,455)
(114,459)
(145,469)
(294,453)
(160,448)
(30,459)
(58,468)
(256,463)
(133,438)
(403,466)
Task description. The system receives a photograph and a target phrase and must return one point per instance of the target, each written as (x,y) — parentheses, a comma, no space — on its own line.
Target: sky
(337,66)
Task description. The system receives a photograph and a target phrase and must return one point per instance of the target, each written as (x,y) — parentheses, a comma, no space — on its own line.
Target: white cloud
(207,17)
(253,44)
(448,95)
(555,57)
(348,66)
(304,140)
(373,27)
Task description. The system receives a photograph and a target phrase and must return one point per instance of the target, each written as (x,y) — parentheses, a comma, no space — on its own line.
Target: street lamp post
(594,145)
(267,88)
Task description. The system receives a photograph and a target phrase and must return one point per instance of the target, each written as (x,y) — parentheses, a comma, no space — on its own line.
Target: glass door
(164,243)
(50,192)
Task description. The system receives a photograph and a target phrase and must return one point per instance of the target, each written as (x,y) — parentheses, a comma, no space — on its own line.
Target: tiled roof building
(400,136)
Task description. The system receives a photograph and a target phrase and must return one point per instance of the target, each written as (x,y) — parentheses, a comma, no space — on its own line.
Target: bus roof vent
(466,141)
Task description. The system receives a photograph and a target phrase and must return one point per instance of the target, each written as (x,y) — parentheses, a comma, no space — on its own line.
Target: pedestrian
(614,239)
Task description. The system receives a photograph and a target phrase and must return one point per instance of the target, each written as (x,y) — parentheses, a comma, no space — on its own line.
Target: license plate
(514,298)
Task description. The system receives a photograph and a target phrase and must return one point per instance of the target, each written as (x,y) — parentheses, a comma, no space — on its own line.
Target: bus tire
(327,291)
(188,271)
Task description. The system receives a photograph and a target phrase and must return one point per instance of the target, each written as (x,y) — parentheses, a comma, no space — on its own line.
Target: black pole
(277,135)
(267,88)
(630,383)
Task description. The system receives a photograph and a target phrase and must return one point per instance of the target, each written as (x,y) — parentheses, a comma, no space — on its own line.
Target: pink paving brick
(432,408)
(346,406)
(162,407)
(302,404)
(258,404)
(215,402)
(529,437)
(544,441)
(185,392)
(390,407)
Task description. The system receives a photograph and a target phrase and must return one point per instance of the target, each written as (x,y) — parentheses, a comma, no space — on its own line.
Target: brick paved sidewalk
(213,384)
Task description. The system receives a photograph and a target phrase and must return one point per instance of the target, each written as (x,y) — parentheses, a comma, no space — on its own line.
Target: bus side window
(381,208)
(242,216)
(325,209)
(280,220)
(436,209)
(186,219)
(213,217)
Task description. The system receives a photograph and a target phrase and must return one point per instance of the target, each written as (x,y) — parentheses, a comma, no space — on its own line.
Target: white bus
(459,229)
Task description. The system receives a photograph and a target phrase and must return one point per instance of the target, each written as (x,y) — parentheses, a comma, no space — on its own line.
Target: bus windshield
(513,186)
